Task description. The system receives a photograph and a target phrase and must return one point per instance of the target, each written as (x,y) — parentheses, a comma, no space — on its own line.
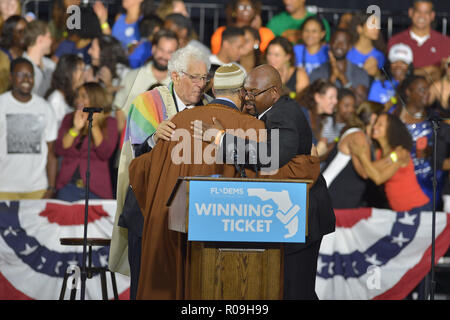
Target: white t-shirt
(59,106)
(25,129)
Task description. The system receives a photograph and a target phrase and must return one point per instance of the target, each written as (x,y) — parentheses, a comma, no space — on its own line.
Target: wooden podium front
(226,270)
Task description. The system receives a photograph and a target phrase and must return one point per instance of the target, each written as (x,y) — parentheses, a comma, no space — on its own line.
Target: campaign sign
(247,211)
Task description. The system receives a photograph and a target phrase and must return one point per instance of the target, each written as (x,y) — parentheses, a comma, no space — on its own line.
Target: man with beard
(339,70)
(148,118)
(263,99)
(28,130)
(137,81)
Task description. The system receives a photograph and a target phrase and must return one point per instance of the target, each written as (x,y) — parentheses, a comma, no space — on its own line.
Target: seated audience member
(280,55)
(67,77)
(137,81)
(318,102)
(415,114)
(231,48)
(313,52)
(79,40)
(430,47)
(109,62)
(72,145)
(339,70)
(394,165)
(140,53)
(27,133)
(368,51)
(399,66)
(250,55)
(289,22)
(12,40)
(38,42)
(183,28)
(167,7)
(243,13)
(343,172)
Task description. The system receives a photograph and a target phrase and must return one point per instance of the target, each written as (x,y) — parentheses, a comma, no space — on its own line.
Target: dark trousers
(134,258)
(300,269)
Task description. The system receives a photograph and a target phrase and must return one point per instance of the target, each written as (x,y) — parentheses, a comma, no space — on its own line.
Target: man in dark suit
(263,99)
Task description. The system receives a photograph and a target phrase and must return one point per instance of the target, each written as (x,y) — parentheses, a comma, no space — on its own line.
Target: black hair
(404,86)
(346,31)
(62,77)
(7,35)
(344,92)
(111,53)
(18,61)
(397,134)
(286,45)
(232,32)
(359,19)
(164,33)
(148,24)
(89,25)
(413,2)
(181,21)
(317,19)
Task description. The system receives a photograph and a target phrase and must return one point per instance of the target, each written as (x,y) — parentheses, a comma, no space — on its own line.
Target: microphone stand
(91,112)
(435,124)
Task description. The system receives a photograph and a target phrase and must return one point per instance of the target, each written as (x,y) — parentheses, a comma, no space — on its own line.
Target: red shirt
(436,48)
(72,158)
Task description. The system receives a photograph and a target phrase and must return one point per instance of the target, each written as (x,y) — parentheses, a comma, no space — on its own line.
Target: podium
(235,233)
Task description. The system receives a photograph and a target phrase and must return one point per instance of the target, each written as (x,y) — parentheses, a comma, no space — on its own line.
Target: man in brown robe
(153,176)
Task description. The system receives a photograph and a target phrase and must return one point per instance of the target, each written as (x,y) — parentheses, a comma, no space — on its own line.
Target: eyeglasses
(197,79)
(253,94)
(23,75)
(244,7)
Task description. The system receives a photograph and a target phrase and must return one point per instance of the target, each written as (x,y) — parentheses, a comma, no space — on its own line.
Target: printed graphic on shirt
(24,133)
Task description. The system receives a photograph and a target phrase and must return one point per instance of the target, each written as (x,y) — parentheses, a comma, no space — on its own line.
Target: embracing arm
(382,170)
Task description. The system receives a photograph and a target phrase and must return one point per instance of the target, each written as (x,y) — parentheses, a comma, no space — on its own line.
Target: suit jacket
(295,138)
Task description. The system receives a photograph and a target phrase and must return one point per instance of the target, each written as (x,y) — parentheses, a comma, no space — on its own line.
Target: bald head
(263,86)
(266,75)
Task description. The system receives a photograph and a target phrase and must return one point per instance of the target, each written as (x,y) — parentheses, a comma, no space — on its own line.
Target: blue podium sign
(244,211)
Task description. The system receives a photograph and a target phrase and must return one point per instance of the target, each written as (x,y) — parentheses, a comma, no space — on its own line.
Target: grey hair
(181,59)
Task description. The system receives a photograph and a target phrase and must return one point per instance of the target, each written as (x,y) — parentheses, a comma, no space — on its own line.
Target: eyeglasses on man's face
(197,78)
(252,93)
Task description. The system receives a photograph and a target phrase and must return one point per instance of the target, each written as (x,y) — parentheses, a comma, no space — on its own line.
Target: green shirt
(284,21)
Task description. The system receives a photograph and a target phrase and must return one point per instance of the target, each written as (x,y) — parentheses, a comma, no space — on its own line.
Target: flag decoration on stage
(378,254)
(373,254)
(32,260)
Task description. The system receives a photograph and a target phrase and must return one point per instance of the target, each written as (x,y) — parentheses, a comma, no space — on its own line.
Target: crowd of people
(368,100)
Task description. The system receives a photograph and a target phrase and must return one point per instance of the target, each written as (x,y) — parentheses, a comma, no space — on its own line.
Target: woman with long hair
(346,178)
(109,62)
(415,114)
(72,143)
(318,102)
(9,8)
(280,55)
(250,55)
(12,39)
(369,48)
(394,165)
(67,77)
(313,52)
